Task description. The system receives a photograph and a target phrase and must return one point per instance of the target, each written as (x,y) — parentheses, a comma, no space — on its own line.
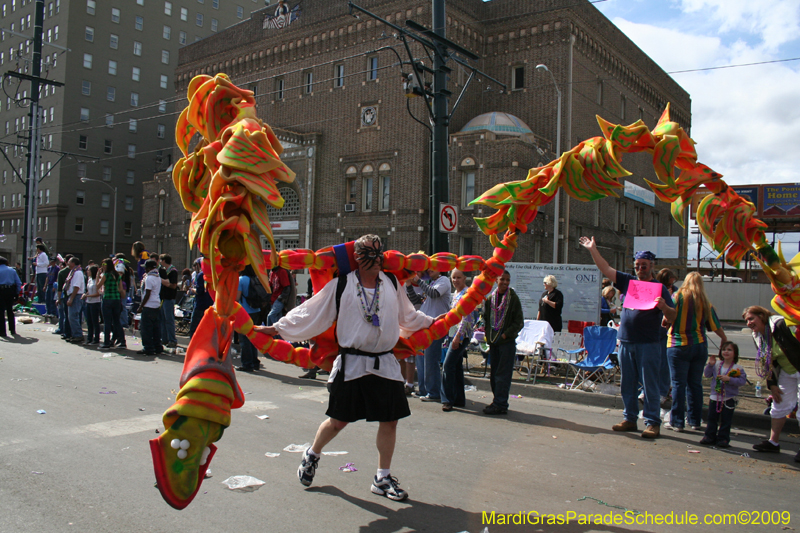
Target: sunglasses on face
(641,267)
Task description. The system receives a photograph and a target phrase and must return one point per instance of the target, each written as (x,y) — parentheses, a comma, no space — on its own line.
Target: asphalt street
(85,465)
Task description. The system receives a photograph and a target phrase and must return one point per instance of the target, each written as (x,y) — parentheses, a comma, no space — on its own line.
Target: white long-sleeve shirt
(42,262)
(397,316)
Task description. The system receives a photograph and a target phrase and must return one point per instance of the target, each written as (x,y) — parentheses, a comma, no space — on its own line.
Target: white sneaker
(388,486)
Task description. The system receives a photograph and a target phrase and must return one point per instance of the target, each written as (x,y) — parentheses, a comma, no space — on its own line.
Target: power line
(735,66)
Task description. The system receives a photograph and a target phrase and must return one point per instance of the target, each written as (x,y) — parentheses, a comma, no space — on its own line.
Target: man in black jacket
(502,312)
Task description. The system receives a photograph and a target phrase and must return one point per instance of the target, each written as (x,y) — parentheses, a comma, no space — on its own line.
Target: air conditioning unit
(623,228)
(642,231)
(349,208)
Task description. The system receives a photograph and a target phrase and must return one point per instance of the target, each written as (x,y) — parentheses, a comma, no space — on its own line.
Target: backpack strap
(341,283)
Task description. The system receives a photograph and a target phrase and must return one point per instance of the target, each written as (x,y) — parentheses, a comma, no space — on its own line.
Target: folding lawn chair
(533,342)
(599,343)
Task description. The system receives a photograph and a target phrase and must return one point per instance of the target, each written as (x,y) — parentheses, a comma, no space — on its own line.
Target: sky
(745,120)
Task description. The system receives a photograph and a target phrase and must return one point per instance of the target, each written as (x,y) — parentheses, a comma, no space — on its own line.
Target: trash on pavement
(349,467)
(272,454)
(243,483)
(335,453)
(42,412)
(470,388)
(262,417)
(297,448)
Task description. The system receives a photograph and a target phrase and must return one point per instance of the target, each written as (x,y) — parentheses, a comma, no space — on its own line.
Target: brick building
(337,77)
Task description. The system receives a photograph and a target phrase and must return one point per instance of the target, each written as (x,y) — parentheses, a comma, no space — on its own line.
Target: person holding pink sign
(646,303)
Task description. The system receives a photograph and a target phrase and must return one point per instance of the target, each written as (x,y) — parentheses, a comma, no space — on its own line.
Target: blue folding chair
(599,343)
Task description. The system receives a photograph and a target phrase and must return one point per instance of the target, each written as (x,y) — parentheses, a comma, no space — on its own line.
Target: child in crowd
(727,376)
(151,312)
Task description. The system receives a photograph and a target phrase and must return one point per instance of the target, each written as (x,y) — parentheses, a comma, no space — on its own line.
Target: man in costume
(502,312)
(640,346)
(366,381)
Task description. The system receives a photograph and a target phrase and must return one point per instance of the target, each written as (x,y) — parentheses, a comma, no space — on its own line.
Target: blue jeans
(453,376)
(274,314)
(640,362)
(249,351)
(151,330)
(502,368)
(74,312)
(664,376)
(112,327)
(686,364)
(168,321)
(431,373)
(63,318)
(93,321)
(50,299)
(724,419)
(41,283)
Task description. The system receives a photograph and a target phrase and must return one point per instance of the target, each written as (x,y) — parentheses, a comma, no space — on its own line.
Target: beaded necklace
(499,308)
(764,359)
(370,309)
(719,388)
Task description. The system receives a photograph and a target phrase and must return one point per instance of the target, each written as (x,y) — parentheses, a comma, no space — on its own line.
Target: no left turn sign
(448,218)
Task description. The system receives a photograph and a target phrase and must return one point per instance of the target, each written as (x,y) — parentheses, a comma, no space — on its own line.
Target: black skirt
(371,398)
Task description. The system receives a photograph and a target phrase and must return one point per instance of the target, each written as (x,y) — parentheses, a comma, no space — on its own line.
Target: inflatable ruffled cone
(200,414)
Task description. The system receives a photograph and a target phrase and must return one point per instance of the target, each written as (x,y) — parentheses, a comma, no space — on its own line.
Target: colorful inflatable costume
(233,172)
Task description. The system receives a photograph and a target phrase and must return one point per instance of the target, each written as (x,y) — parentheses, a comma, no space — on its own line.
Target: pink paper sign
(641,295)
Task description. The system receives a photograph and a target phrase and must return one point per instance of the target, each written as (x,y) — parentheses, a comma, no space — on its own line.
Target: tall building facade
(114,116)
(315,68)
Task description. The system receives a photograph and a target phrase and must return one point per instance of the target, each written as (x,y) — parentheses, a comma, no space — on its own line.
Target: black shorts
(371,398)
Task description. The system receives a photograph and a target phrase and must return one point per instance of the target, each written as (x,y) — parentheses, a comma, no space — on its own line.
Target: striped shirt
(111,287)
(690,323)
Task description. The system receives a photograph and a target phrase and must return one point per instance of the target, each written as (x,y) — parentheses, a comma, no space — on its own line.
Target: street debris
(262,417)
(349,467)
(42,412)
(243,483)
(297,448)
(470,388)
(272,454)
(334,453)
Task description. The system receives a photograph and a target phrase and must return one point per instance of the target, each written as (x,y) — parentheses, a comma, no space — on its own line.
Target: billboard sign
(640,194)
(750,193)
(663,247)
(781,201)
(580,285)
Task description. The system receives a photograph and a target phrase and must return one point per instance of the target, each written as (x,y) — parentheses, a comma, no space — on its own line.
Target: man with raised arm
(639,349)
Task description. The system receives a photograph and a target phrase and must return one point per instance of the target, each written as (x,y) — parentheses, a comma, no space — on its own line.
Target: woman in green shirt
(113,293)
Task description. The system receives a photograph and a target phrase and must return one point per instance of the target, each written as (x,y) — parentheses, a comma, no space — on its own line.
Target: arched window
(384,167)
(351,171)
(162,206)
(291,206)
(367,169)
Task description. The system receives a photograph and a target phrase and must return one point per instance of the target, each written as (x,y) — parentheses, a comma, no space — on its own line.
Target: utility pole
(436,101)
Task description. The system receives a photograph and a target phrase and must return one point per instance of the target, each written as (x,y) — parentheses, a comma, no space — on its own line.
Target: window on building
(130,177)
(81,170)
(131,151)
(367,189)
(385,184)
(113,42)
(115,15)
(351,190)
(47,196)
(164,81)
(138,23)
(372,68)
(137,48)
(622,102)
(140,2)
(129,203)
(80,197)
(133,125)
(182,37)
(199,19)
(161,131)
(136,73)
(239,12)
(165,57)
(127,229)
(78,224)
(215,4)
(168,8)
(109,120)
(184,14)
(84,114)
(166,33)
(134,99)
(214,24)
(654,224)
(112,67)
(83,142)
(517,78)
(111,94)
(108,147)
(87,60)
(91,6)
(162,106)
(104,227)
(467,189)
(106,173)
(105,200)
(599,96)
(308,82)
(162,206)
(338,75)
(89,34)
(279,85)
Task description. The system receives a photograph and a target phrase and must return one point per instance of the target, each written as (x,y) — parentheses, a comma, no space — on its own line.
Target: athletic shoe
(430,399)
(106,347)
(767,446)
(697,428)
(307,469)
(409,389)
(673,428)
(389,486)
(172,345)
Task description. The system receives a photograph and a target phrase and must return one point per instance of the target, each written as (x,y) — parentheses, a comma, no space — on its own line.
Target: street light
(114,229)
(558,154)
